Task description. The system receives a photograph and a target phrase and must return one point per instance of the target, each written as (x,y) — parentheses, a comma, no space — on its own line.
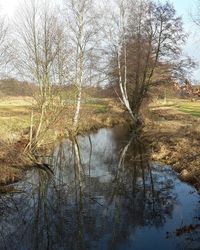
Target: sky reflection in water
(116,200)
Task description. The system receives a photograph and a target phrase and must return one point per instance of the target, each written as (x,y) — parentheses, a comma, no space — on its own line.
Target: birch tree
(116,35)
(83,34)
(40,59)
(149,36)
(122,52)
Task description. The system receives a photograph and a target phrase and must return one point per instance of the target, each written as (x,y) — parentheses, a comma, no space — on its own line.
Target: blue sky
(184,8)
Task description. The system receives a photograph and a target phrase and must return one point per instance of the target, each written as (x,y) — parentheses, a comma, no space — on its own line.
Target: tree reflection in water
(104,189)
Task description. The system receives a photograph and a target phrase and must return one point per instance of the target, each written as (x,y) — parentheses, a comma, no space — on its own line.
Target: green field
(182,105)
(192,108)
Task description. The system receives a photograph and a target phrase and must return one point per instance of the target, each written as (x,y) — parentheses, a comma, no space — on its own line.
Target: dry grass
(174,132)
(9,174)
(15,120)
(175,137)
(14,117)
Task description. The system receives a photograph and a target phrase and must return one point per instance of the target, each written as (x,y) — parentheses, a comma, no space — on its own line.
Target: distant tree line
(13,87)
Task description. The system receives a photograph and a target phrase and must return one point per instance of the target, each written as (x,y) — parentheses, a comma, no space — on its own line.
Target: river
(110,197)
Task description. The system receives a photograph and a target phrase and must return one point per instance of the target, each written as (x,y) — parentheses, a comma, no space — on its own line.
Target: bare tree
(116,34)
(83,35)
(41,58)
(6,52)
(149,35)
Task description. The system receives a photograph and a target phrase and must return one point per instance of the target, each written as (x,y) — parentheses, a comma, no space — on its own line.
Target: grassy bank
(14,117)
(183,105)
(15,123)
(173,131)
(175,137)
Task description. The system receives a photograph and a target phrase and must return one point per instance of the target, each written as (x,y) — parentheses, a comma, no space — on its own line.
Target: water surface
(115,199)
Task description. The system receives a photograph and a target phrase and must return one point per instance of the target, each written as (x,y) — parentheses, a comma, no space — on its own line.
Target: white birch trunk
(79,64)
(122,45)
(78,107)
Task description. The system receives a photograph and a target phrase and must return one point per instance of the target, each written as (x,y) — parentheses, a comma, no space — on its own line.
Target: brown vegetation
(13,160)
(12,87)
(175,140)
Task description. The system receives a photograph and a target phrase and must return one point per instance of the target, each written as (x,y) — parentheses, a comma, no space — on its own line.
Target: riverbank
(174,135)
(14,132)
(172,131)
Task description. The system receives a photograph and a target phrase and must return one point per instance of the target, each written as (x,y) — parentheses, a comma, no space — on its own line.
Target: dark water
(115,199)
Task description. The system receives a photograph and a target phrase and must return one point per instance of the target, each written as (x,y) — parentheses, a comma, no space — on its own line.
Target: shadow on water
(104,194)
